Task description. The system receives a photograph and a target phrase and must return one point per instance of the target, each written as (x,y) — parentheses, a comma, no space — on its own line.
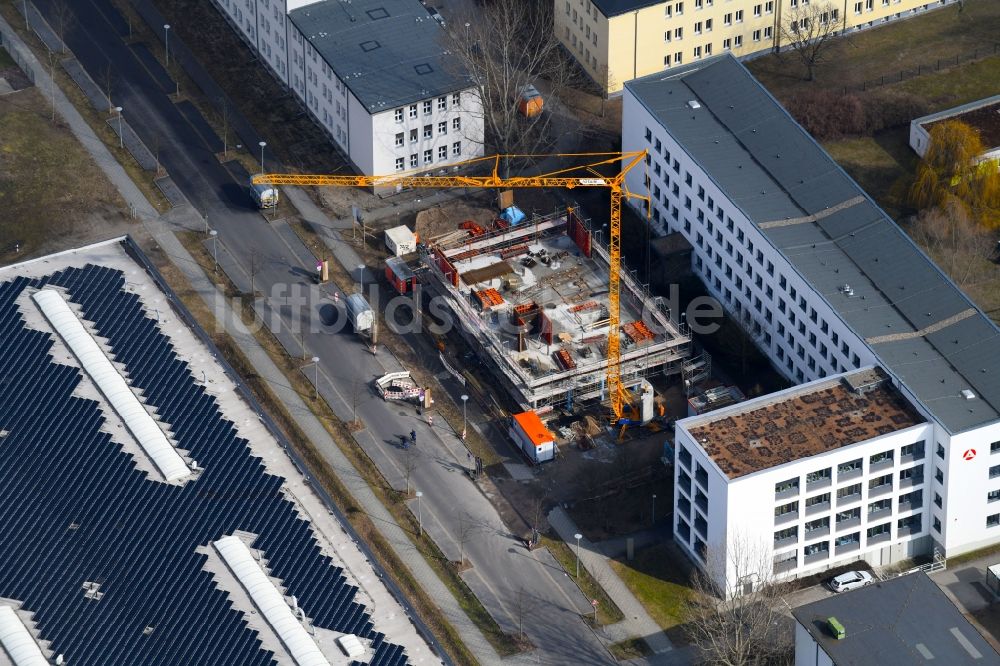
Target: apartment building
(820,277)
(822,473)
(374,74)
(619,40)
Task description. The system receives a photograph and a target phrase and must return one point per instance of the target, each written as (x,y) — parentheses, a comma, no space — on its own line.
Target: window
(883,529)
(785,509)
(818,476)
(456,98)
(786,486)
(849,467)
(757,10)
(679,33)
(857,7)
(697,28)
(400,164)
(727,44)
(940,451)
(818,524)
(456,124)
(913,475)
(994,447)
(413,161)
(756,35)
(443,127)
(993,496)
(913,500)
(398,115)
(817,499)
(994,471)
(852,514)
(739,16)
(879,458)
(399,139)
(413,136)
(727,19)
(428,131)
(428,156)
(786,534)
(816,549)
(708,49)
(442,103)
(708,25)
(993,520)
(937,500)
(769,6)
(848,539)
(456,148)
(697,54)
(427,107)
(881,505)
(939,477)
(442,152)
(738,41)
(849,491)
(413,110)
(913,451)
(937,524)
(910,524)
(880,482)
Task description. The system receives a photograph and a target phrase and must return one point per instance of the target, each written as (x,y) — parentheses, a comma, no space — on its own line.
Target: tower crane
(585,173)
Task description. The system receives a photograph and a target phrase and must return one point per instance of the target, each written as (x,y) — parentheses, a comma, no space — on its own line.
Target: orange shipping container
(530,102)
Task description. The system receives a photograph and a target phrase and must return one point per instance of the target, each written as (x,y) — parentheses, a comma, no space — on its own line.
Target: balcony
(819,507)
(789,517)
(785,565)
(791,491)
(910,482)
(905,506)
(875,514)
(786,541)
(850,522)
(849,499)
(878,491)
(684,507)
(848,547)
(885,463)
(880,538)
(818,556)
(701,502)
(818,484)
(907,530)
(817,532)
(849,474)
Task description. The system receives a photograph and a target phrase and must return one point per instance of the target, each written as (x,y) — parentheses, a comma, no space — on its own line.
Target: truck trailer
(360,313)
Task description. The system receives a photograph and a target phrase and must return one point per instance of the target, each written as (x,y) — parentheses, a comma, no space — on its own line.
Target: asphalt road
(519,588)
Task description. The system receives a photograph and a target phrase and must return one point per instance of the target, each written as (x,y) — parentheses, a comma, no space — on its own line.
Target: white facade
(451,132)
(798,330)
(807,650)
(868,500)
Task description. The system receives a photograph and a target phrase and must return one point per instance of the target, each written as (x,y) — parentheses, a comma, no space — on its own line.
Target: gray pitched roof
(777,175)
(388,52)
(902,621)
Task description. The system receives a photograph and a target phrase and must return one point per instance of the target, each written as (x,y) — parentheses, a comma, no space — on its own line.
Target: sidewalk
(637,621)
(160,230)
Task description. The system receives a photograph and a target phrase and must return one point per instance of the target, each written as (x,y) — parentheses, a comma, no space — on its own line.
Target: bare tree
(224,117)
(609,83)
(523,606)
(808,31)
(506,47)
(107,82)
(465,530)
(411,460)
(953,238)
(731,614)
(62,20)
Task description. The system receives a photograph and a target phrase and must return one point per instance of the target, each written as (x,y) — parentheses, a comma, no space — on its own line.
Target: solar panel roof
(388,52)
(833,234)
(108,558)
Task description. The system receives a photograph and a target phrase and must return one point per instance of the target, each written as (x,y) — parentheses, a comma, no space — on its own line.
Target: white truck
(360,313)
(264,196)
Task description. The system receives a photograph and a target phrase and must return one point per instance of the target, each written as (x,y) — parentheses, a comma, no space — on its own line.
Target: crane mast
(586,174)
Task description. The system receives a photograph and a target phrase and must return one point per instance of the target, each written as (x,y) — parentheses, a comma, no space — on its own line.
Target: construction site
(533,298)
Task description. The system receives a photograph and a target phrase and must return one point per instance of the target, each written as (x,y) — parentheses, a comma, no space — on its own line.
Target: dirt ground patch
(52,194)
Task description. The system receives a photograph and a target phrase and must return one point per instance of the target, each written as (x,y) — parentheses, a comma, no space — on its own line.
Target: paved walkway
(162,233)
(637,622)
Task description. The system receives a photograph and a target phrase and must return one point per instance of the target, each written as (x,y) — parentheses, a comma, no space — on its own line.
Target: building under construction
(534,299)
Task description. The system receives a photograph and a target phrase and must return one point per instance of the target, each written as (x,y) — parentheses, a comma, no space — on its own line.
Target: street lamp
(577,536)
(654,509)
(121,137)
(166,42)
(361,277)
(315,365)
(215,249)
(465,400)
(262,144)
(420,523)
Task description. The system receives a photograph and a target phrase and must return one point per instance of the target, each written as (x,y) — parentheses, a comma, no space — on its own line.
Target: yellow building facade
(619,40)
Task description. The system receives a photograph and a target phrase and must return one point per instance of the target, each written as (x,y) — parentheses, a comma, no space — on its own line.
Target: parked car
(851,580)
(435,15)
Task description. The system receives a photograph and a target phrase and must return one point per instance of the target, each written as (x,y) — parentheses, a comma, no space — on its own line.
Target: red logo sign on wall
(969,454)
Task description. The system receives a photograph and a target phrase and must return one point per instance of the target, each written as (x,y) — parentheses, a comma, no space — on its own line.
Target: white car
(851,580)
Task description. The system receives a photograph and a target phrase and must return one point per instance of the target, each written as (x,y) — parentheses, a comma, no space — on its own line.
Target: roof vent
(968,395)
(847,290)
(694,104)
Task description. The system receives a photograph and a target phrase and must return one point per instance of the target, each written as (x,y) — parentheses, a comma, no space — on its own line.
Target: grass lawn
(49,187)
(5,59)
(971,81)
(631,648)
(883,165)
(658,577)
(923,40)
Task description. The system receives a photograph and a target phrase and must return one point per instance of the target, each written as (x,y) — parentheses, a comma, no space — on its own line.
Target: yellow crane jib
(584,173)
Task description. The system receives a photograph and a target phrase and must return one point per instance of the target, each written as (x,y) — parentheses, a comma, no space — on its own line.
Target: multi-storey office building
(374,74)
(819,275)
(619,40)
